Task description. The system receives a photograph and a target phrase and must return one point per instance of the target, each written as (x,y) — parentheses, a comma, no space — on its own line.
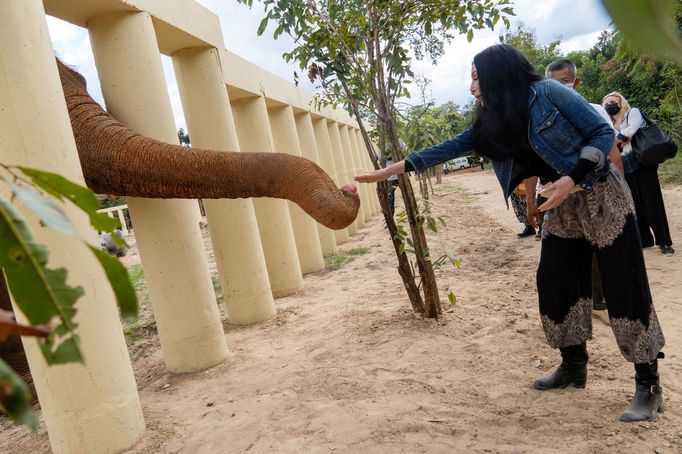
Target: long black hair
(500,128)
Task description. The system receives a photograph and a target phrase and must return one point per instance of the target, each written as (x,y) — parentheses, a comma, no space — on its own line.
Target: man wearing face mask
(565,72)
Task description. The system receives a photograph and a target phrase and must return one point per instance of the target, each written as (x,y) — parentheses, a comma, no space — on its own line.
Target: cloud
(577,22)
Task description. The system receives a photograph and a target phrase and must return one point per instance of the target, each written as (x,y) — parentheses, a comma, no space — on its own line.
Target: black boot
(528,231)
(571,371)
(648,398)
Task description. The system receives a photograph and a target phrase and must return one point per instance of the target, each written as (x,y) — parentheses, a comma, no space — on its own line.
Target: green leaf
(431,222)
(452,298)
(470,35)
(80,196)
(648,24)
(119,279)
(41,293)
(49,214)
(68,350)
(16,398)
(263,25)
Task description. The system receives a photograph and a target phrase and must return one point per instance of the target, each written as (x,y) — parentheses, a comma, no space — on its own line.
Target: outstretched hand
(372,177)
(562,188)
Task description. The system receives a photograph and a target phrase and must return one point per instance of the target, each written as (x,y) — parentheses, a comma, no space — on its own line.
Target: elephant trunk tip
(349,190)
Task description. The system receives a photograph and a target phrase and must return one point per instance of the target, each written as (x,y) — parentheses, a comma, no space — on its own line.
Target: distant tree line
(650,84)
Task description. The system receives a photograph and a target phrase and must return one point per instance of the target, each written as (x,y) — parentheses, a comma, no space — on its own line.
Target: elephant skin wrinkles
(117,160)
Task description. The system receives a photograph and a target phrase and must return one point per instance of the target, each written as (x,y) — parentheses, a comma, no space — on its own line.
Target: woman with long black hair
(529,127)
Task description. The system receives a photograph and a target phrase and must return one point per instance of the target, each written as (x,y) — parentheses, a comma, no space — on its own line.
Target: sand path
(346,367)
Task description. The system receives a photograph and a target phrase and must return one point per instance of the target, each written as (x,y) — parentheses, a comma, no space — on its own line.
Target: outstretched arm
(382,174)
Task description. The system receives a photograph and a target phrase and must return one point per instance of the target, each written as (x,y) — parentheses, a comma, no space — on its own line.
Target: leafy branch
(40,292)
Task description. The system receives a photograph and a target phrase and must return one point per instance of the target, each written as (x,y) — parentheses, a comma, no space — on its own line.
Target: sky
(577,23)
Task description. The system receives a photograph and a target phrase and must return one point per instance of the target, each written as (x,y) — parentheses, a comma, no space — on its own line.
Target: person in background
(529,127)
(642,180)
(518,202)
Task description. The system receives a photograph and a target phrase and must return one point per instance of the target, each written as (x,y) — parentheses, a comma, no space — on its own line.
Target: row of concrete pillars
(262,247)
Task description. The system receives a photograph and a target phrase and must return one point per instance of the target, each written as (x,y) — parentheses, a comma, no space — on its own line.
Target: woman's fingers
(371,177)
(549,203)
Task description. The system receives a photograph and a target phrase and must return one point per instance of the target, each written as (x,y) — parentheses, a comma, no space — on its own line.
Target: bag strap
(648,121)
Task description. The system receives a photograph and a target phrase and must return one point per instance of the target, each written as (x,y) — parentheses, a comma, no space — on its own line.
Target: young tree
(360,52)
(524,39)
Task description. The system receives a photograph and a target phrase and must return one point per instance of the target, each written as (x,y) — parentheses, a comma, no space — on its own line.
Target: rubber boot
(571,371)
(648,398)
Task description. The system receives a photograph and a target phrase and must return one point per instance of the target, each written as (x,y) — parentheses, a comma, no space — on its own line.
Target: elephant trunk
(116,160)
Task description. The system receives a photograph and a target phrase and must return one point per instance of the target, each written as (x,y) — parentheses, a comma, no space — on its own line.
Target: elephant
(118,161)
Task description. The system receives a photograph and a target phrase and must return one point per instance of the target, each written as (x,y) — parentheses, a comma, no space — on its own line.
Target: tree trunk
(404,268)
(431,303)
(428,279)
(439,174)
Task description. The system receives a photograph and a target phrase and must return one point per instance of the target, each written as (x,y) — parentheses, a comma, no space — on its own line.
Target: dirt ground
(345,366)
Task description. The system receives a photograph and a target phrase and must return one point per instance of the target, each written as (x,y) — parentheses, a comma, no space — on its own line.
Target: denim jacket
(562,128)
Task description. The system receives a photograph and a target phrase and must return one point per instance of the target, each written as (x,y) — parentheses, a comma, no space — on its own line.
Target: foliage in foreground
(39,291)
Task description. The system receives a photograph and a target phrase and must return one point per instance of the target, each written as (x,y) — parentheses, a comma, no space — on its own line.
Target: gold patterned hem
(575,329)
(636,342)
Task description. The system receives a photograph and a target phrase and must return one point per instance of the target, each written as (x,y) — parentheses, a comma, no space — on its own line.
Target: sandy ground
(346,366)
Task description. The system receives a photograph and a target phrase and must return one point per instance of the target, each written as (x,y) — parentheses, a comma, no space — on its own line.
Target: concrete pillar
(274,221)
(167,231)
(309,147)
(91,407)
(361,167)
(232,223)
(340,162)
(283,125)
(352,171)
(324,148)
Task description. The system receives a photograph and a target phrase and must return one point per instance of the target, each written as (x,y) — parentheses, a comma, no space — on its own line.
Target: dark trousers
(598,303)
(564,281)
(599,223)
(649,206)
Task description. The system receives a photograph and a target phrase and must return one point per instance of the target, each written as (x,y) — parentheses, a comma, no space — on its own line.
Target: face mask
(569,85)
(612,108)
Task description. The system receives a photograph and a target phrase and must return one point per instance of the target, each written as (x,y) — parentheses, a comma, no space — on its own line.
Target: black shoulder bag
(651,144)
